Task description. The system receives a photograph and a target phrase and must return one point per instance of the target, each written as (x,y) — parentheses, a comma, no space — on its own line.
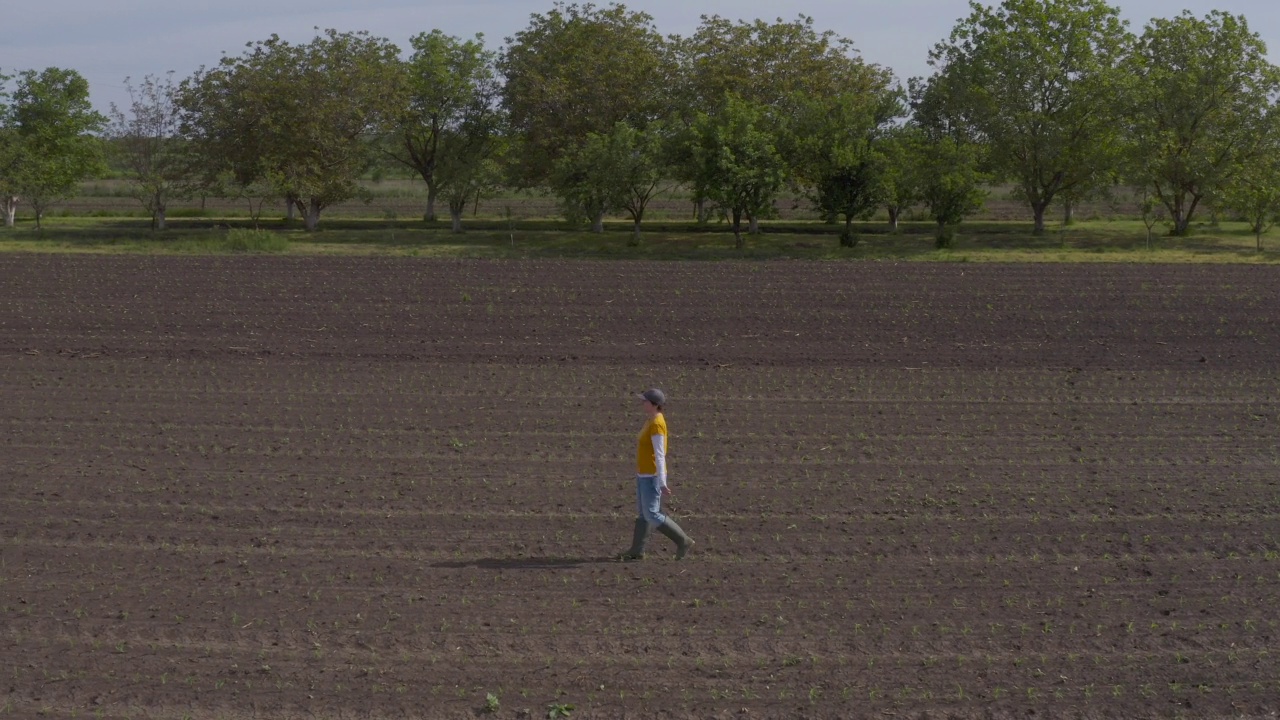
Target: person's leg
(665,525)
(639,533)
(650,495)
(683,542)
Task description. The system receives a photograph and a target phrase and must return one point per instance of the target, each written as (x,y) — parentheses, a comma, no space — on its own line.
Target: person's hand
(666,491)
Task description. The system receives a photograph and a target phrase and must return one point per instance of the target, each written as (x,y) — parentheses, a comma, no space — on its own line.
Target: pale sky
(108,40)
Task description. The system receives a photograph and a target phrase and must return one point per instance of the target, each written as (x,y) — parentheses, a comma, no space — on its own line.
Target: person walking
(651,482)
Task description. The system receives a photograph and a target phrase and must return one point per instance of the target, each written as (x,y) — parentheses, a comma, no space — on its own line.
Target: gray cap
(655,396)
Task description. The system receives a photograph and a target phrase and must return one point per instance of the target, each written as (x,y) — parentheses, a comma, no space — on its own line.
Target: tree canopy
(301,115)
(577,70)
(1037,83)
(50,143)
(736,160)
(1197,109)
(451,110)
(146,136)
(1055,99)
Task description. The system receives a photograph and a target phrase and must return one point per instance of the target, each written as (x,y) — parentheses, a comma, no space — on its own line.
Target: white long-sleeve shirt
(660,458)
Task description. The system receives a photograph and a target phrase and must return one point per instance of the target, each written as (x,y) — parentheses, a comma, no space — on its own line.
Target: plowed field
(389,488)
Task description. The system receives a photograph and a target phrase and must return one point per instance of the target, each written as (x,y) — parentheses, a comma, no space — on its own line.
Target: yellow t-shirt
(646,462)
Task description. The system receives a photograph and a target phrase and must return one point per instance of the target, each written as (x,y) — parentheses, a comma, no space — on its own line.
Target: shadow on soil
(533,563)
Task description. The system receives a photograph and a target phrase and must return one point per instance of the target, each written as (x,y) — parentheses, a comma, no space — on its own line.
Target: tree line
(1058,98)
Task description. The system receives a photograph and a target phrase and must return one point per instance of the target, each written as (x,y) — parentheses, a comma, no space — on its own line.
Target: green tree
(8,155)
(148,140)
(637,169)
(779,64)
(622,169)
(255,192)
(738,166)
(451,110)
(223,118)
(579,179)
(1152,212)
(303,116)
(54,137)
(470,180)
(836,146)
(577,70)
(1202,91)
(900,175)
(783,65)
(1254,190)
(1037,82)
(1099,187)
(951,183)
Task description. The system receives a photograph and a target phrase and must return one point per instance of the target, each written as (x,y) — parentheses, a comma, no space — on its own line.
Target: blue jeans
(649,500)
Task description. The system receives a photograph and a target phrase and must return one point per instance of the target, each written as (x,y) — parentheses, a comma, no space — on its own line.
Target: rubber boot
(638,537)
(683,542)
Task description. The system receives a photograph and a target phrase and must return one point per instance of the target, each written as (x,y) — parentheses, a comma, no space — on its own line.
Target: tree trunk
(157,206)
(893,220)
(455,215)
(700,211)
(1181,214)
(312,220)
(1181,226)
(291,209)
(1068,212)
(635,232)
(255,213)
(1191,212)
(10,210)
(430,215)
(754,227)
(942,239)
(738,242)
(1038,211)
(597,223)
(846,238)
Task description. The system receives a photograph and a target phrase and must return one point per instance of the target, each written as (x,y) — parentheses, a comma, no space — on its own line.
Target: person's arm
(660,458)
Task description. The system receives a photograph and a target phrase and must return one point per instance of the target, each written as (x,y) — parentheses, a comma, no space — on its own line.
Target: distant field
(406,200)
(984,241)
(103,219)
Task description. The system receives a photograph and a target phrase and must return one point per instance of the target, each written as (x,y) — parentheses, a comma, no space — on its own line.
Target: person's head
(653,400)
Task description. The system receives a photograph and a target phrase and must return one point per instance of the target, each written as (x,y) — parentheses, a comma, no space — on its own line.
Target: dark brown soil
(385,488)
